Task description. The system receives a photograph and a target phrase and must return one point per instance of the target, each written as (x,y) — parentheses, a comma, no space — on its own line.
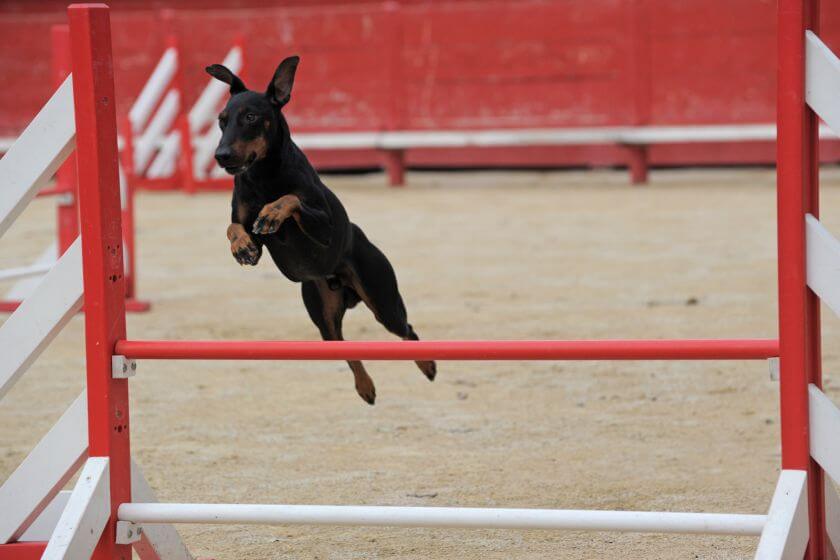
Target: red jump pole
(745,349)
(104,284)
(799,318)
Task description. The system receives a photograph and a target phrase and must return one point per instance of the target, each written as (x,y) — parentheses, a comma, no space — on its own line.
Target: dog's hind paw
(429,369)
(367,391)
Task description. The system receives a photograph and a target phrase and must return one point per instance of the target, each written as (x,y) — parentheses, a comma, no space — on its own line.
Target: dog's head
(250,119)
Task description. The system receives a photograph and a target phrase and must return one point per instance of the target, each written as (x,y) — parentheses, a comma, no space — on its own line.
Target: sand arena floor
(478,255)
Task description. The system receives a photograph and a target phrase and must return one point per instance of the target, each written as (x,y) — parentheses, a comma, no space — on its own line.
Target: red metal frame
(67,213)
(744,349)
(183,177)
(798,195)
(22,551)
(104,284)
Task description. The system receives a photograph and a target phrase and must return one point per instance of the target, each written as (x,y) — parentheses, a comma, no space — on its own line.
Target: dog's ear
(222,74)
(280,89)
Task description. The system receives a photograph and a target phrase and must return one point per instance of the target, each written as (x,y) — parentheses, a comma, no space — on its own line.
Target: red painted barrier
(104,282)
(456,64)
(722,349)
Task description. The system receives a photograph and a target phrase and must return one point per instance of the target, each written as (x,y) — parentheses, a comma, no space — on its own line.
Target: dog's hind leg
(326,308)
(373,278)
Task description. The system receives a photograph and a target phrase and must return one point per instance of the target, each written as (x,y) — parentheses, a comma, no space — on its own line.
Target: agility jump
(166,145)
(109,510)
(67,210)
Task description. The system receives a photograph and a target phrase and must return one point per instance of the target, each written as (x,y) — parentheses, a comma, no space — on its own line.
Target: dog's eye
(250,118)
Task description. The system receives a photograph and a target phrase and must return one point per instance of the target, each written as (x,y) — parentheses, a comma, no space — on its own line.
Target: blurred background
(456,65)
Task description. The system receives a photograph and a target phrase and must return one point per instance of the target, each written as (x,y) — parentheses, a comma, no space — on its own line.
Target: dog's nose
(224,156)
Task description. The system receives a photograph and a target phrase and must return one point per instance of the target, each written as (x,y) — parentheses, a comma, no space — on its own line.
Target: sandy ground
(478,255)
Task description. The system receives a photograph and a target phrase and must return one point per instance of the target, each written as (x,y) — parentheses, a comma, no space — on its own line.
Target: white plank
(643,135)
(37,154)
(22,289)
(158,540)
(83,520)
(153,89)
(822,262)
(825,425)
(448,517)
(40,317)
(42,528)
(159,125)
(203,148)
(204,110)
(822,81)
(785,536)
(47,468)
(28,271)
(164,161)
(832,516)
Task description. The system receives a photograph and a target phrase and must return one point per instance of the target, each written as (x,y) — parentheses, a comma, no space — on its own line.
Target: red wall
(446,64)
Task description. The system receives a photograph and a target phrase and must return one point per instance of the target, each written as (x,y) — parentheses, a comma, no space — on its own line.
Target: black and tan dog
(280,203)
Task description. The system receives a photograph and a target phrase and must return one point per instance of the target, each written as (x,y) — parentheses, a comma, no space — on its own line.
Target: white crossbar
(824,426)
(832,516)
(41,317)
(37,154)
(822,262)
(153,90)
(47,468)
(163,540)
(164,162)
(44,526)
(785,536)
(204,110)
(446,517)
(151,139)
(87,512)
(25,271)
(822,81)
(22,289)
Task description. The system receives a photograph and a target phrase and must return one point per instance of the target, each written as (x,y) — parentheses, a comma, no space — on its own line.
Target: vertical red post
(799,319)
(99,198)
(637,161)
(394,163)
(394,160)
(639,66)
(184,167)
(128,238)
(67,209)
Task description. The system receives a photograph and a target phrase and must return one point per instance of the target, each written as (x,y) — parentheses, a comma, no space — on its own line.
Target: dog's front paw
(270,219)
(272,215)
(245,251)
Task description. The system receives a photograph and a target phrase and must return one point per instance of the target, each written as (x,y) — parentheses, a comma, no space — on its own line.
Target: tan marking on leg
(332,302)
(242,247)
(273,214)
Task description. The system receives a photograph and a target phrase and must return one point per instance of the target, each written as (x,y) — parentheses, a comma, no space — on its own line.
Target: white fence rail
(37,154)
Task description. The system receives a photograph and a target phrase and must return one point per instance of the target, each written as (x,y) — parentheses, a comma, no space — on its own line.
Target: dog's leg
(243,247)
(326,308)
(373,278)
(312,218)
